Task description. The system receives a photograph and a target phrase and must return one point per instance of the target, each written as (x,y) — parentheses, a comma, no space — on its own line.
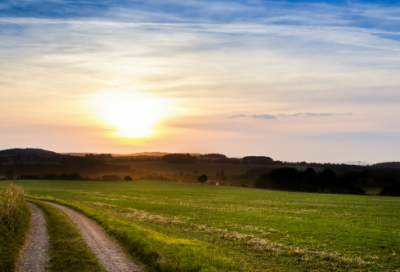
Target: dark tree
(203,178)
(128,178)
(9,174)
(392,190)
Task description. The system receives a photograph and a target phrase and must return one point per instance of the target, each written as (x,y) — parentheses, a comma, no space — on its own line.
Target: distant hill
(37,152)
(83,154)
(156,154)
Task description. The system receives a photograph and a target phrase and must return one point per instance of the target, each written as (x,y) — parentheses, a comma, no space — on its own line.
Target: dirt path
(109,253)
(34,256)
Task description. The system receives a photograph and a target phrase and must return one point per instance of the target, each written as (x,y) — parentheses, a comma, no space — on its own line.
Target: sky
(315,81)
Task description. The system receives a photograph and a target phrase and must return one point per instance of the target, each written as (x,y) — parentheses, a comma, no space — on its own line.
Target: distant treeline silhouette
(63,164)
(257,160)
(180,158)
(102,157)
(214,156)
(307,181)
(75,176)
(388,164)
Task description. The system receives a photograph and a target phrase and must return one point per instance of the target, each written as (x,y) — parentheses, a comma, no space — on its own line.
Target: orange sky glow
(323,92)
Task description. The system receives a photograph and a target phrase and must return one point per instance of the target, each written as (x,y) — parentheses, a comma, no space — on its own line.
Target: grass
(188,227)
(149,246)
(14,224)
(69,251)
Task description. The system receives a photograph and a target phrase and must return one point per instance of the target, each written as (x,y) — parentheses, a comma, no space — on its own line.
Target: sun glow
(132,115)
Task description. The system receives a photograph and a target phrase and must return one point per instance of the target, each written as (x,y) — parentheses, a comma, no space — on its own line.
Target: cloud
(263,116)
(237,116)
(301,114)
(217,58)
(310,114)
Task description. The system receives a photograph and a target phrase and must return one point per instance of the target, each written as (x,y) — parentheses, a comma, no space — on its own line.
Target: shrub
(14,224)
(392,190)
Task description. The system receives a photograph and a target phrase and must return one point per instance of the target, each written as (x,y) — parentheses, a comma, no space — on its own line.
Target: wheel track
(34,255)
(109,253)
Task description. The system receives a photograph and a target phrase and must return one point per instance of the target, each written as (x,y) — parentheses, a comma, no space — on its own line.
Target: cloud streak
(301,114)
(303,62)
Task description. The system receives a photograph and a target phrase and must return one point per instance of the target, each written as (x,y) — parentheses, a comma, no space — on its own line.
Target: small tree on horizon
(203,178)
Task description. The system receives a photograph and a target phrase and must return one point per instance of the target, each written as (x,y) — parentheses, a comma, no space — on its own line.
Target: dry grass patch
(15,216)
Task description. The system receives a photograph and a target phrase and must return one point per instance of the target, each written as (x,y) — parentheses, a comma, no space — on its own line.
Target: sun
(132,115)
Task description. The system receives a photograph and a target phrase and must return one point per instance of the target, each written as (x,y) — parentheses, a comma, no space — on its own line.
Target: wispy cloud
(311,114)
(263,116)
(285,62)
(301,114)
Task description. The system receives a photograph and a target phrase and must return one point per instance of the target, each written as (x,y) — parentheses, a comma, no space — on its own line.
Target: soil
(34,256)
(109,253)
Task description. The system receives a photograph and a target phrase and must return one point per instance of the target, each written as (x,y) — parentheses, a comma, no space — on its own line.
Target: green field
(188,227)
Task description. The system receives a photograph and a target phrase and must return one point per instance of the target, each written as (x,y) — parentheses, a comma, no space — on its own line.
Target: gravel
(109,253)
(34,256)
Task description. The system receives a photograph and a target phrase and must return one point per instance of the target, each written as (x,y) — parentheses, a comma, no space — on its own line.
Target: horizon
(314,81)
(360,163)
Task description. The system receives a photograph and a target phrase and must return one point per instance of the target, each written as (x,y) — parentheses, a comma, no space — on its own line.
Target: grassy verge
(69,251)
(158,251)
(14,224)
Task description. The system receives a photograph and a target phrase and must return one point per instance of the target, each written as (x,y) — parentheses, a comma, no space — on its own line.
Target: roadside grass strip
(68,250)
(15,216)
(159,252)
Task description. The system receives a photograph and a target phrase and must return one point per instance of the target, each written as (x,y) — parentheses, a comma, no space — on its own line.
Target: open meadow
(172,226)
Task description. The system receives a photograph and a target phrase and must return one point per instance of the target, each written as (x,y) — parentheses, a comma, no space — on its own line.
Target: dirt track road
(34,255)
(109,253)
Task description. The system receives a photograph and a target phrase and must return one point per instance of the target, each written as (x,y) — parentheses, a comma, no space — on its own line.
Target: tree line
(307,181)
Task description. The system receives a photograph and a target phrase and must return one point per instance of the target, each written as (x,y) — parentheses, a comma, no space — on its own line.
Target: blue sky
(298,76)
(381,15)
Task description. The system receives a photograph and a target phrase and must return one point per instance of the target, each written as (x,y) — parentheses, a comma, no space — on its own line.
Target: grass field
(188,227)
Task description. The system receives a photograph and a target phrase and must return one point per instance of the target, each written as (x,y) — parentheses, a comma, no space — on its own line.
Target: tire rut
(34,255)
(109,253)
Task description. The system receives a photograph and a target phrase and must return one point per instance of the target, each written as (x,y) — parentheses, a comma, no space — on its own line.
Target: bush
(284,178)
(128,178)
(14,224)
(392,190)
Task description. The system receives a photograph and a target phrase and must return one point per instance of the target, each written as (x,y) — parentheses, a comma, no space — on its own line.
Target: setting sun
(132,115)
